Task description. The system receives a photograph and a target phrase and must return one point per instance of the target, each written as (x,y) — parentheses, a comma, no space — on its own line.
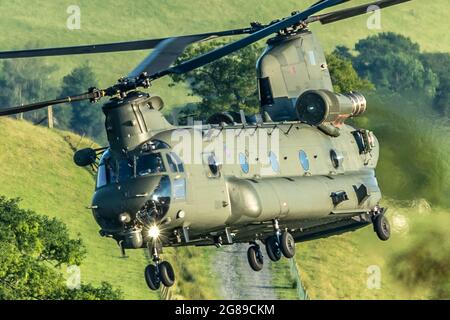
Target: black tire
(152,277)
(167,274)
(382,227)
(273,249)
(255,258)
(287,245)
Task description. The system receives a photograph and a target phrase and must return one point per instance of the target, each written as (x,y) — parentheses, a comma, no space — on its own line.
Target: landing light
(154,232)
(125,218)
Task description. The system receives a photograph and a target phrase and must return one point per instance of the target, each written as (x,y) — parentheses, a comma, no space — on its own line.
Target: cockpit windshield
(113,171)
(149,164)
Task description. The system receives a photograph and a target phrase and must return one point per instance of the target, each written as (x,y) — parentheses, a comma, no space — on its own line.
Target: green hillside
(36,165)
(44,24)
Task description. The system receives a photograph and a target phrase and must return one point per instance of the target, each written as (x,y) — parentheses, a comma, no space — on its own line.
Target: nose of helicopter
(112,201)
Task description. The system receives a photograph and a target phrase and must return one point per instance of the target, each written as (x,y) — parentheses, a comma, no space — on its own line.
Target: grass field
(44,24)
(36,165)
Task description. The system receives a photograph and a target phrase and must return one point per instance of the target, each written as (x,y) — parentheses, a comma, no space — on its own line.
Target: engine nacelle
(316,107)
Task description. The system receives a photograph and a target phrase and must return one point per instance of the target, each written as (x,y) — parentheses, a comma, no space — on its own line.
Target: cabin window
(336,159)
(243,161)
(304,161)
(213,164)
(274,162)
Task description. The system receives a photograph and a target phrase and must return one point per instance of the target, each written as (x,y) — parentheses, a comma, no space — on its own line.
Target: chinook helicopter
(319,182)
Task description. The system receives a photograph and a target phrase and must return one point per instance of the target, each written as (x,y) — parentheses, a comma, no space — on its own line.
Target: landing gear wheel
(382,227)
(167,274)
(273,249)
(287,245)
(152,277)
(255,258)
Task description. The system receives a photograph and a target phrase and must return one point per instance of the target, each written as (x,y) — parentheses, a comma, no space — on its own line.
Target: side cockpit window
(103,173)
(101,176)
(175,163)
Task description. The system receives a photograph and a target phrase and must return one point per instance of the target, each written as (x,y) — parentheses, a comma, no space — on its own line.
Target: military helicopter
(319,183)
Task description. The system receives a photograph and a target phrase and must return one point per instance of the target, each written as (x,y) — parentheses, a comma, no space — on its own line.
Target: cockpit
(146,163)
(137,188)
(115,171)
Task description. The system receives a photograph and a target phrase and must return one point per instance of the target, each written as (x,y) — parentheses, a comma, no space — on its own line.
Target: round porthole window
(213,165)
(243,161)
(274,162)
(336,159)
(304,161)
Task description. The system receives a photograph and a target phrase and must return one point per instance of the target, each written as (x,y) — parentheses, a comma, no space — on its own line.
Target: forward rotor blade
(320,1)
(254,37)
(164,55)
(40,105)
(113,47)
(353,12)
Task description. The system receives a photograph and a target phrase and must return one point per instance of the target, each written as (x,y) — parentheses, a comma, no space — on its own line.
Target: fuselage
(201,181)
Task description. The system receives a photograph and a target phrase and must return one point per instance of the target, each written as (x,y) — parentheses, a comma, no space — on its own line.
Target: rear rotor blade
(254,37)
(164,55)
(355,11)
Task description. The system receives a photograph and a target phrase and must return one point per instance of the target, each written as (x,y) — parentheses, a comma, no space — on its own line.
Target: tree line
(30,80)
(34,251)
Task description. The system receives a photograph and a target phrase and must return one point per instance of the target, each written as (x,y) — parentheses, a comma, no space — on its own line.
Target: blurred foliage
(83,118)
(29,80)
(414,147)
(344,76)
(226,84)
(26,81)
(392,61)
(33,248)
(423,264)
(395,63)
(439,63)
